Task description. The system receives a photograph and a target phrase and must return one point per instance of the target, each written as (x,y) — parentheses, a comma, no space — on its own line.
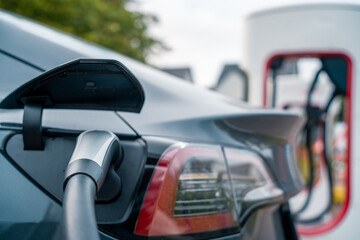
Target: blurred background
(200,40)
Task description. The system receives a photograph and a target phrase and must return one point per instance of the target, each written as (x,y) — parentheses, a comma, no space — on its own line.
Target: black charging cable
(313,116)
(95,151)
(327,160)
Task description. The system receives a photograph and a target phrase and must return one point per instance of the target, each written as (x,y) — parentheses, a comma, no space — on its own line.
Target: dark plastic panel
(82,84)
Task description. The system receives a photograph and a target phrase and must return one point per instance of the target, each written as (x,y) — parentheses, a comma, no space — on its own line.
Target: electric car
(96,145)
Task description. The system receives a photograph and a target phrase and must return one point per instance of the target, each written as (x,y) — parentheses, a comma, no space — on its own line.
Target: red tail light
(191,191)
(188,193)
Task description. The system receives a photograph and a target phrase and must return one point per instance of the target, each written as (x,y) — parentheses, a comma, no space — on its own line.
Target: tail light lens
(195,190)
(251,181)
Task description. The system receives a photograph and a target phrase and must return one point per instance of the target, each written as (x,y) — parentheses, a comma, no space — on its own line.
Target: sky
(204,34)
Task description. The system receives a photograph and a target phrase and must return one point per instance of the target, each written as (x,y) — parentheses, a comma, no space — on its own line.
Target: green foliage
(106,22)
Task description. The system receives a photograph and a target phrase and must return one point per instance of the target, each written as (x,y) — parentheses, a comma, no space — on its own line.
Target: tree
(106,22)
